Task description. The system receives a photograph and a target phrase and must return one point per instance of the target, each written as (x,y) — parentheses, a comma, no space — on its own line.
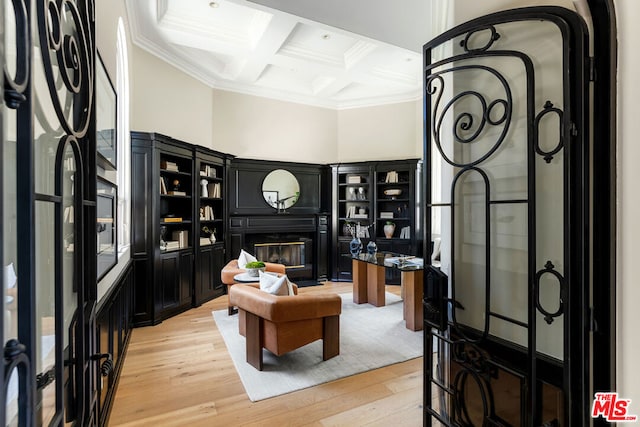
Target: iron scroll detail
(468,126)
(549,268)
(14,86)
(66,39)
(16,360)
(548,109)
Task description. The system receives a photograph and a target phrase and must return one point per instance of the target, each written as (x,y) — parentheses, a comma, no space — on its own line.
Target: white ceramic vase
(388,230)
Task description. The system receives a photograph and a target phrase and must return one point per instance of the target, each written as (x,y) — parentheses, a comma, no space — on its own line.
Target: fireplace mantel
(247,230)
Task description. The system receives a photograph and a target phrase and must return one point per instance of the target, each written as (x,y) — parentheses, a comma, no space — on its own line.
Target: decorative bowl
(253,272)
(393,192)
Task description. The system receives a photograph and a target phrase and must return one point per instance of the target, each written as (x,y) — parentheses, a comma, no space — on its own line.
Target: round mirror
(280,189)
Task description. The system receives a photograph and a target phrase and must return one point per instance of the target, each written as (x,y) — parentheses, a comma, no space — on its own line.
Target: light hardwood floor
(179,373)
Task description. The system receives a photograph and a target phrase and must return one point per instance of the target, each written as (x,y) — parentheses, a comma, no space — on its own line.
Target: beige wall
(168,101)
(628,286)
(386,132)
(262,128)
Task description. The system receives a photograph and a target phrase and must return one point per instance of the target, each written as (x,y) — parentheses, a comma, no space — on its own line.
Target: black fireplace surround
(302,230)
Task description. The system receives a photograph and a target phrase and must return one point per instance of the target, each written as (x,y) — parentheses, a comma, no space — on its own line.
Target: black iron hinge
(592,68)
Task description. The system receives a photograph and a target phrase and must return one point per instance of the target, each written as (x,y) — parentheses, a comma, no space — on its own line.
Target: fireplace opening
(291,254)
(293,250)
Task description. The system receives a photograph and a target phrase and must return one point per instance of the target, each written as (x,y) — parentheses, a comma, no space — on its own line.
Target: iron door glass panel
(496,106)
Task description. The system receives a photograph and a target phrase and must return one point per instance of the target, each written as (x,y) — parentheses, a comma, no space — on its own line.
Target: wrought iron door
(506,296)
(48,200)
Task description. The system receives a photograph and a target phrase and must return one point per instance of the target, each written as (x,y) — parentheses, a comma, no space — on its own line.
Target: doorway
(508,309)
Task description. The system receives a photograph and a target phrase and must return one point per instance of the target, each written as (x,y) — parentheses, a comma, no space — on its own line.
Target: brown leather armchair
(229,271)
(283,323)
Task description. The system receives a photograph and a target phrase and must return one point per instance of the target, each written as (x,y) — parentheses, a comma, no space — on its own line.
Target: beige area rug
(370,337)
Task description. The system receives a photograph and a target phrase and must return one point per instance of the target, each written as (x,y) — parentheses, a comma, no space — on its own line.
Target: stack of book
(386,215)
(208,171)
(170,166)
(206,213)
(354,212)
(392,176)
(182,237)
(171,245)
(405,232)
(354,179)
(214,190)
(205,241)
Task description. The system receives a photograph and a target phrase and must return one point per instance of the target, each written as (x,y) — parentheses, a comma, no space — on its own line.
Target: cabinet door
(204,274)
(169,279)
(186,278)
(217,263)
(208,282)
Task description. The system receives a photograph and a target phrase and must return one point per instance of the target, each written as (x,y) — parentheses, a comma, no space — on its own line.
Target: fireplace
(295,241)
(291,254)
(294,250)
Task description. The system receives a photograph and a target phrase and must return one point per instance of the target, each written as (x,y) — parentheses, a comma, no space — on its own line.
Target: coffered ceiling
(251,48)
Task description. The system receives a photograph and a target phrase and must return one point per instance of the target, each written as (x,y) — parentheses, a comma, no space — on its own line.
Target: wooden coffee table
(369,286)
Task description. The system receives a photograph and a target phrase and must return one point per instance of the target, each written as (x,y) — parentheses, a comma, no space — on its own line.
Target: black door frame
(600,319)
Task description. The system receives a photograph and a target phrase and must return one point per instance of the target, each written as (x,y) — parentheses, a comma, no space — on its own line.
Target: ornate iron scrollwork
(16,358)
(549,268)
(494,35)
(65,36)
(465,129)
(549,109)
(474,369)
(14,86)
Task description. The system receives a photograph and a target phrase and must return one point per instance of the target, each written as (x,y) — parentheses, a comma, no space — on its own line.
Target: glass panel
(45,302)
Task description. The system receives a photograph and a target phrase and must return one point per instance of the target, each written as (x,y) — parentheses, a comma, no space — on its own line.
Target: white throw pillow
(275,285)
(244,258)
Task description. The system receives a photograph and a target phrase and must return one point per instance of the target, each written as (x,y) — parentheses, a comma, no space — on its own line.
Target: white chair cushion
(244,258)
(275,285)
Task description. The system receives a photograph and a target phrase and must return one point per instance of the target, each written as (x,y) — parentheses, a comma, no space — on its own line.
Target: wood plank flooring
(179,373)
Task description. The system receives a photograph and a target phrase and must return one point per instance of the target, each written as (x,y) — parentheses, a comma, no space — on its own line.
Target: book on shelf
(163,185)
(182,237)
(172,245)
(354,179)
(170,166)
(177,193)
(386,215)
(205,241)
(69,215)
(172,219)
(359,215)
(405,232)
(208,171)
(392,176)
(214,190)
(206,213)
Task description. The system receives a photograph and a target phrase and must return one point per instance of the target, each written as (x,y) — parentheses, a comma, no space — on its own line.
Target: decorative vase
(388,230)
(355,247)
(212,238)
(372,248)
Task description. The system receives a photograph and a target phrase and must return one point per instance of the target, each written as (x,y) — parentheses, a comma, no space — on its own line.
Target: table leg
(412,304)
(375,284)
(359,275)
